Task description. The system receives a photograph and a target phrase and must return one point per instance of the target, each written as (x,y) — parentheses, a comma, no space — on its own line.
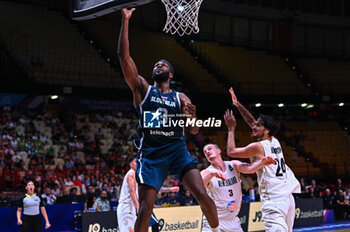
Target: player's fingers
(227,114)
(191,106)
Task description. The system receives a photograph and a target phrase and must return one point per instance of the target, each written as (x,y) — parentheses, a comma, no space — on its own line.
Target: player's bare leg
(193,182)
(147,196)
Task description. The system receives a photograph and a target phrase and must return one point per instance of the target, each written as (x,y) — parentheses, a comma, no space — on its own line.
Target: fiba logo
(97,228)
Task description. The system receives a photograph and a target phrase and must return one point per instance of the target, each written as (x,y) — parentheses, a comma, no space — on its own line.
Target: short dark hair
(30,180)
(269,123)
(130,158)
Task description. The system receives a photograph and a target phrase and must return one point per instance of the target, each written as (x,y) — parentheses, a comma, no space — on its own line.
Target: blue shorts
(153,167)
(153,220)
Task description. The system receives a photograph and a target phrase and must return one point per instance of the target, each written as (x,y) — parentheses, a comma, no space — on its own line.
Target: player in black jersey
(31,204)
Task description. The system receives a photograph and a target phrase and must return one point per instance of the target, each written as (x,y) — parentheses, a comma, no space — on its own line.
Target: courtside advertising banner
(100,221)
(255,217)
(308,212)
(186,218)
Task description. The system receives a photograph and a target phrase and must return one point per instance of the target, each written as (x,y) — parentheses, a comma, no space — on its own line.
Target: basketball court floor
(333,227)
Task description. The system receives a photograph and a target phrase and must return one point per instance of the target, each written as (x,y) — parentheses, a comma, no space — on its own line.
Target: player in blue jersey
(162,143)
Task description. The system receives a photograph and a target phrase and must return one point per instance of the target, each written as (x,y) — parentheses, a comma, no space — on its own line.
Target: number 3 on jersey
(281,167)
(230,192)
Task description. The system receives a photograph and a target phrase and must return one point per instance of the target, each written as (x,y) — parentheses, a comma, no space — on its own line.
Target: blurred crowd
(335,196)
(67,153)
(77,157)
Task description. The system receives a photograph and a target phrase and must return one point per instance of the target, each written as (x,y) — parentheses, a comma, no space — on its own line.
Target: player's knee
(145,208)
(200,194)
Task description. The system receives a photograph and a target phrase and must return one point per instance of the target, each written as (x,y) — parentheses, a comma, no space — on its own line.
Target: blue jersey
(159,114)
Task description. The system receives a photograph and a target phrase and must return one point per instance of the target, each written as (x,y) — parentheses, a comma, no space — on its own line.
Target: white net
(182,16)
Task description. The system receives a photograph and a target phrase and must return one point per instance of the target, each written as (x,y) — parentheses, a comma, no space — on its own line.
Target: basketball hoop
(182,16)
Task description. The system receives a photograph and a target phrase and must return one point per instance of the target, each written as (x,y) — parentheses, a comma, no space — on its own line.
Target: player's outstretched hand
(47,225)
(174,189)
(219,174)
(190,109)
(127,13)
(230,120)
(267,160)
(234,98)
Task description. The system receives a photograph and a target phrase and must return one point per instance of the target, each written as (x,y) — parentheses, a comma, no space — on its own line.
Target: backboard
(89,9)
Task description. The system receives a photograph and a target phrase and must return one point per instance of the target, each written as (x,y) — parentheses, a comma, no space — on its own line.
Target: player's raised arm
(252,150)
(190,109)
(207,175)
(247,116)
(137,83)
(249,168)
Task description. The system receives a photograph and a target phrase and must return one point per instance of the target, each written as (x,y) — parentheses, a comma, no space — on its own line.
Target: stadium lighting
(341,104)
(53,97)
(303,105)
(309,106)
(257,104)
(180,8)
(280,105)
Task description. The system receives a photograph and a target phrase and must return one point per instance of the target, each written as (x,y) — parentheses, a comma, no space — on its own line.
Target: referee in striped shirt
(31,205)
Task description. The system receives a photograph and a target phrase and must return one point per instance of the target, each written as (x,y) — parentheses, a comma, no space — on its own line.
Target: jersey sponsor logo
(232,206)
(163,100)
(228,182)
(276,150)
(164,133)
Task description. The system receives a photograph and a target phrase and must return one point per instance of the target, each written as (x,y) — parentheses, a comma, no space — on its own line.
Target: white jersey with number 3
(276,180)
(227,195)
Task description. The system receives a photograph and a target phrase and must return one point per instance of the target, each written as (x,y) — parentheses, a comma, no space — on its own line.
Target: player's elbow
(231,152)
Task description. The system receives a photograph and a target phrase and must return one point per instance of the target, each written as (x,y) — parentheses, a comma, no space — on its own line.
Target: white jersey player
(276,182)
(128,199)
(223,185)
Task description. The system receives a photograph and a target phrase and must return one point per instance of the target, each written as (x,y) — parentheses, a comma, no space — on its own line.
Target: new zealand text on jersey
(276,150)
(228,182)
(163,101)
